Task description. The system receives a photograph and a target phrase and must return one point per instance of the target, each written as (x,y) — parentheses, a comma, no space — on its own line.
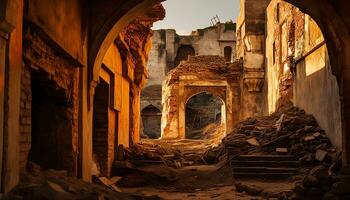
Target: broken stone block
(320,155)
(317,134)
(115,179)
(249,189)
(282,150)
(279,123)
(106,182)
(253,141)
(309,138)
(56,187)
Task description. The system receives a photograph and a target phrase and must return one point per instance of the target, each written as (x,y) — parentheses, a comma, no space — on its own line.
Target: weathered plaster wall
(157,62)
(63,21)
(310,84)
(250,48)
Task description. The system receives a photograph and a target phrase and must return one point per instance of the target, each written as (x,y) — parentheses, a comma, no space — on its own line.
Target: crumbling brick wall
(41,55)
(25,116)
(211,70)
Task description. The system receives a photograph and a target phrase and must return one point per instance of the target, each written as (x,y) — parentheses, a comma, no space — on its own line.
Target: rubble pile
(179,153)
(171,155)
(54,184)
(288,131)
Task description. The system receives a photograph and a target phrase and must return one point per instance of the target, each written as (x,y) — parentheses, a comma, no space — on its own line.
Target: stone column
(11,21)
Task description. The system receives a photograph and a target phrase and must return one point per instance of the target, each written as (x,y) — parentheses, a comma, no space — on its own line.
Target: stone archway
(203,110)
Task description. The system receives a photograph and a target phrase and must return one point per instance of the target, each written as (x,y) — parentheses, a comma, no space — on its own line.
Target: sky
(187,15)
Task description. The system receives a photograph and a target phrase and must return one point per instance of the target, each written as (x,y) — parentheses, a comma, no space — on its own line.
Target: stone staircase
(264,166)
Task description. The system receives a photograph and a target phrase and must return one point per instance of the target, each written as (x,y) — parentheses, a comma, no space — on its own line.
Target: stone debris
(180,153)
(282,150)
(249,189)
(53,184)
(289,130)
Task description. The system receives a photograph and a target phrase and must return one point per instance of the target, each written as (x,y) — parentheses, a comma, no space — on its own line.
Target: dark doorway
(51,145)
(100,127)
(228,53)
(151,119)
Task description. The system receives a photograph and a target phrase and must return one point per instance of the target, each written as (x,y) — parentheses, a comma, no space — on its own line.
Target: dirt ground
(205,182)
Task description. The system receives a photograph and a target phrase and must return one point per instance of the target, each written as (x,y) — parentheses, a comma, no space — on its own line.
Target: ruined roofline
(206,67)
(196,31)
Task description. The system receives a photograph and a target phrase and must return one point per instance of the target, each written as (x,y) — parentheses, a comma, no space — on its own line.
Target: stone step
(264,170)
(267,176)
(291,164)
(264,158)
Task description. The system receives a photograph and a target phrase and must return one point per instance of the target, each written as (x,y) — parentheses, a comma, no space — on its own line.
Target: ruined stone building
(168,50)
(72,73)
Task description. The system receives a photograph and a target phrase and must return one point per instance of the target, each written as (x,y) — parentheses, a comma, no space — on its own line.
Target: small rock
(253,141)
(56,187)
(309,138)
(282,150)
(317,134)
(279,123)
(320,155)
(249,189)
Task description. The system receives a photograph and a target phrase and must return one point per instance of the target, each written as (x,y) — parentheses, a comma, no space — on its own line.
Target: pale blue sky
(188,15)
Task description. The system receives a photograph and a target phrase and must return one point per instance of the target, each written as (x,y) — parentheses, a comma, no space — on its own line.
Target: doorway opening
(151,120)
(228,53)
(100,127)
(203,117)
(52,124)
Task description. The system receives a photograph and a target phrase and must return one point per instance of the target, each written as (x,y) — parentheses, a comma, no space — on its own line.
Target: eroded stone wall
(169,49)
(196,75)
(298,68)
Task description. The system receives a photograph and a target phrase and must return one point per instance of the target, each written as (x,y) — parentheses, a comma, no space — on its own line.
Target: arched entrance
(205,115)
(151,121)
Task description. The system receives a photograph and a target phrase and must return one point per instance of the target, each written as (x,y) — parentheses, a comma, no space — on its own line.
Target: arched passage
(151,121)
(204,116)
